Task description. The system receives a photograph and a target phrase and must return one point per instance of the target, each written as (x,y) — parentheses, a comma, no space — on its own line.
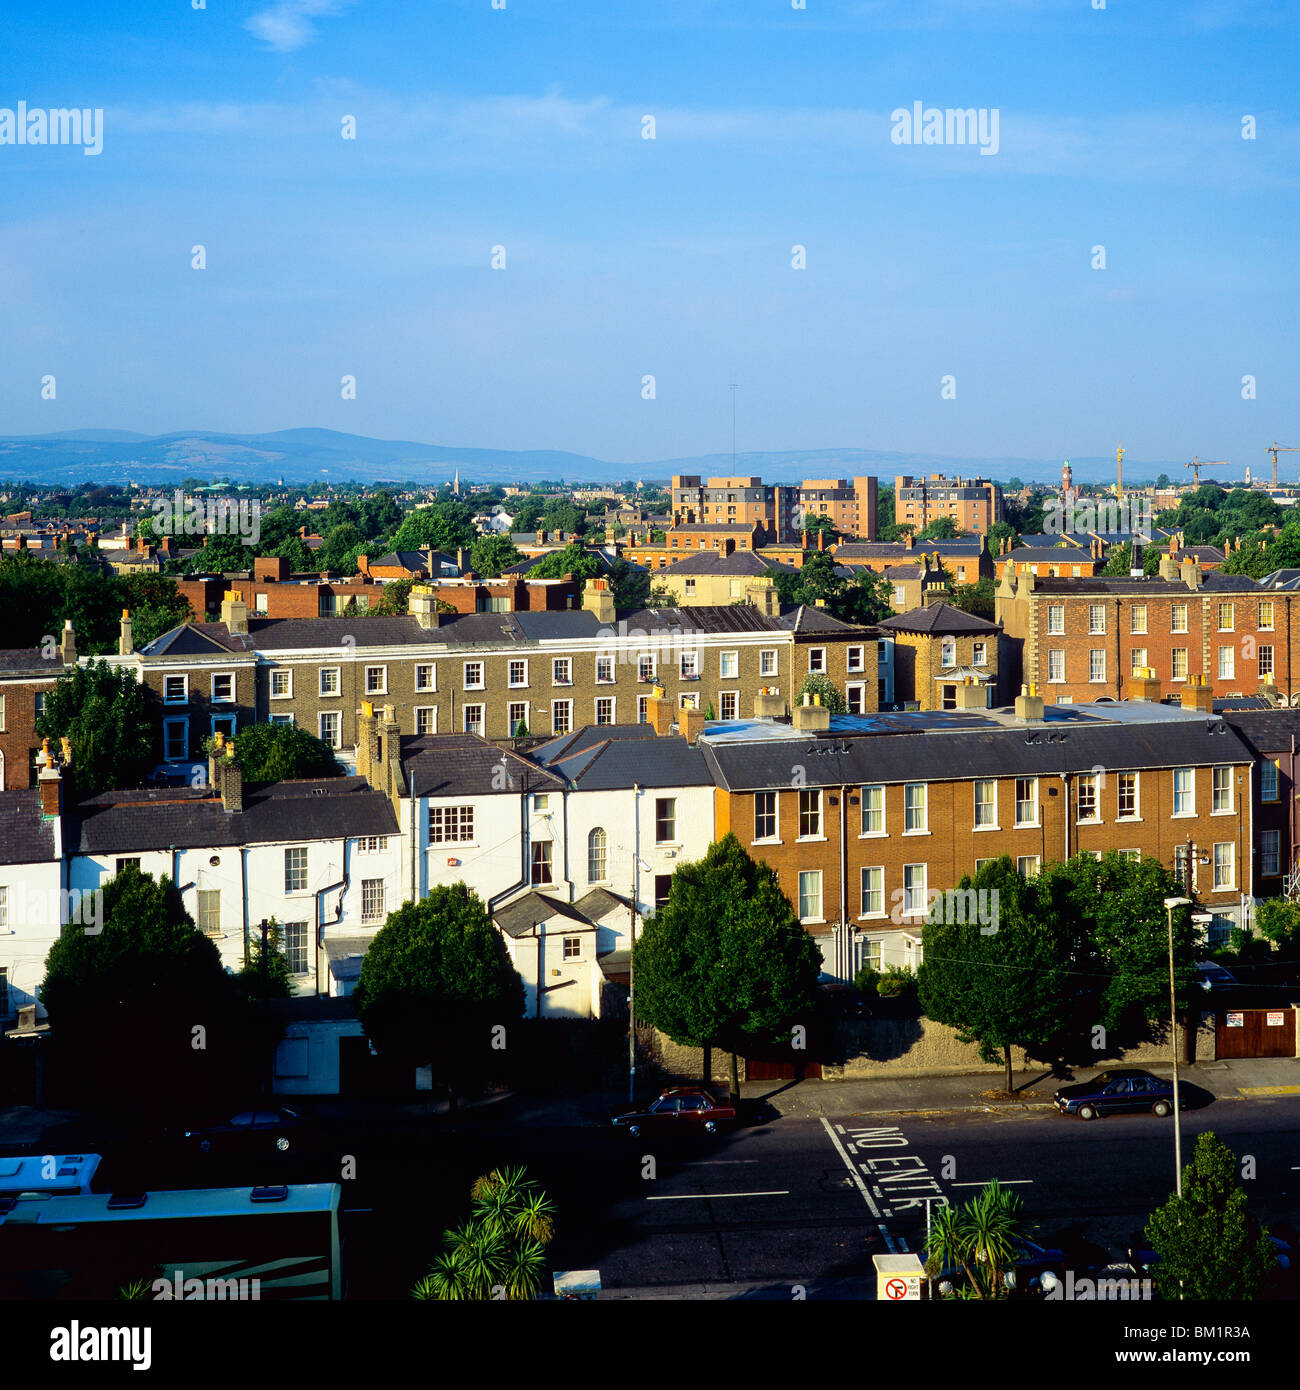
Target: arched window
(596,856)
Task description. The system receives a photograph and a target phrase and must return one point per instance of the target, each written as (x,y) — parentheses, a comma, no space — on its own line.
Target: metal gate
(1255,1033)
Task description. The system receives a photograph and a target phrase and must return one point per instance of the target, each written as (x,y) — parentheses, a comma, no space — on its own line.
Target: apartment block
(973,504)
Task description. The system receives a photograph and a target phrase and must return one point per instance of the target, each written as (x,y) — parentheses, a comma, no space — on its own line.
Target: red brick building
(1088,639)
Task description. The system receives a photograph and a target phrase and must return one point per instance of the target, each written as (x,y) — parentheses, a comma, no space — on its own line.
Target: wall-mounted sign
(1276,1020)
(453,863)
(1236,1020)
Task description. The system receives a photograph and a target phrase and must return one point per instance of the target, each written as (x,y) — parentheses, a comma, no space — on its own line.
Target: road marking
(708,1196)
(1002,1182)
(857,1179)
(1269,1090)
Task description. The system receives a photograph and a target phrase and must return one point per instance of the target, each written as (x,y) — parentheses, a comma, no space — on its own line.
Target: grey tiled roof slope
(606,763)
(964,753)
(1268,731)
(938,617)
(523,915)
(25,838)
(462,764)
(122,822)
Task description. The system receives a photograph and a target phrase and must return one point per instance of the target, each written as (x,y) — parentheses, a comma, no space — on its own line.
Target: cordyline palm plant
(977,1239)
(501,1251)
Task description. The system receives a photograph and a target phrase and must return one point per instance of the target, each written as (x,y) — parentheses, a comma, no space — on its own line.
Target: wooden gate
(1255,1033)
(772,1069)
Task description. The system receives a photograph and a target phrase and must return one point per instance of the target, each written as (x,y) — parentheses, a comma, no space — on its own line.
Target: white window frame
(565,663)
(1189,793)
(910,808)
(322,718)
(729,666)
(769,661)
(481,683)
(284,673)
(877,871)
(567,707)
(814,876)
(382,687)
(1033,800)
(337,673)
(184,699)
(511,682)
(234,690)
(465,720)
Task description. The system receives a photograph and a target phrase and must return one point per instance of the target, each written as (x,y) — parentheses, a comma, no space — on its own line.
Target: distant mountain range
(314,455)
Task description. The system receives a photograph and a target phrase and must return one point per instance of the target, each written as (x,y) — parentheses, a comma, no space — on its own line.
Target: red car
(679,1110)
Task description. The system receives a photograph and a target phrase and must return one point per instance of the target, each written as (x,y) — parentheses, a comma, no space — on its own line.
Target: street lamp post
(1170,904)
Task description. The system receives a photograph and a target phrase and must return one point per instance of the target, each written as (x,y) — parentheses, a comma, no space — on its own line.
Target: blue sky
(625,257)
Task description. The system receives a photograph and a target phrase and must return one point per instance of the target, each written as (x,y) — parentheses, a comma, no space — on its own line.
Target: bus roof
(304,1198)
(26,1173)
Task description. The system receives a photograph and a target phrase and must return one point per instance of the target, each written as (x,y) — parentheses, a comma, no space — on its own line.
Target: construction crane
(1275,449)
(1197,464)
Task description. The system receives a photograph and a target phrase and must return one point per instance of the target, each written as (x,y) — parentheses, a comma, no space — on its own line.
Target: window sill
(1183,815)
(1223,813)
(874,835)
(812,921)
(873,916)
(915,832)
(1089,820)
(979,828)
(1027,825)
(810,839)
(767,842)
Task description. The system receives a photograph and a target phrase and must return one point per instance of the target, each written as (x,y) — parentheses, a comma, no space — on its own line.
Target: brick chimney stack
(659,712)
(125,644)
(232,782)
(68,645)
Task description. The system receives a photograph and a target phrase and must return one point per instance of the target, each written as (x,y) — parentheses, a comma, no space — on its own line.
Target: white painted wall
(32,916)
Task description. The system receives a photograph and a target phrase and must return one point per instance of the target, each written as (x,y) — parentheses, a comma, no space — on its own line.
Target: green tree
(977,1240)
(1278,921)
(1004,988)
(155,604)
(106,717)
(1210,1245)
(978,599)
(574,559)
(278,752)
(500,1252)
(725,961)
(942,528)
(821,525)
(630,584)
(491,556)
(819,683)
(1000,531)
(143,960)
(447,526)
(218,555)
(265,974)
(435,982)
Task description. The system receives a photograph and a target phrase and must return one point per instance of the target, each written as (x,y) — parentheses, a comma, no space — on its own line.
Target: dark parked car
(1117,1092)
(251,1131)
(844,1000)
(1214,978)
(679,1110)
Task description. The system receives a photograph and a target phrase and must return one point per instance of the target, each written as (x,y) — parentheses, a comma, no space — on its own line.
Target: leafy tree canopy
(277,752)
(106,717)
(1209,1243)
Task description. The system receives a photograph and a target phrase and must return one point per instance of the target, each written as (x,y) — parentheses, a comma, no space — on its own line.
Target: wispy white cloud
(288,25)
(526,134)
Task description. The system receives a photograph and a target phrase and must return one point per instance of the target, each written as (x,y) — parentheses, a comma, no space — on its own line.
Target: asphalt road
(794,1207)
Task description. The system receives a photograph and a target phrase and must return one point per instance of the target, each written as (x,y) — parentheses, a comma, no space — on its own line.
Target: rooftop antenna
(733,388)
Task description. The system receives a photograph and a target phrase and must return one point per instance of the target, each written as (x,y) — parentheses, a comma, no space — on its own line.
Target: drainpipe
(845,930)
(415,853)
(1065,786)
(631,967)
(243,880)
(320,926)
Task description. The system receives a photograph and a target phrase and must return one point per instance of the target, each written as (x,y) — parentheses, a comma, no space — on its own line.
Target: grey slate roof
(465,765)
(808,618)
(939,618)
(1212,581)
(605,759)
(740,617)
(600,902)
(28,661)
(1267,731)
(976,748)
(523,916)
(25,838)
(124,822)
(739,562)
